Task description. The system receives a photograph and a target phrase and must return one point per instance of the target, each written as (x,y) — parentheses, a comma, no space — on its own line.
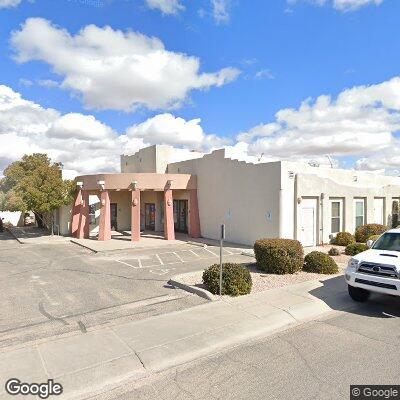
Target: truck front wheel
(358,294)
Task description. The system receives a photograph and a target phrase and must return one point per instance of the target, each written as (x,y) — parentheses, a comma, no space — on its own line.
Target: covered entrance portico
(136,202)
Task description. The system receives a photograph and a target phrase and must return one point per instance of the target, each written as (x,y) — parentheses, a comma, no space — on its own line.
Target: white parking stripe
(129,265)
(215,255)
(194,253)
(179,257)
(140,263)
(159,259)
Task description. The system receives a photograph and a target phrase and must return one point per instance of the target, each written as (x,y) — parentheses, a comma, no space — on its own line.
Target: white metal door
(308,222)
(378,211)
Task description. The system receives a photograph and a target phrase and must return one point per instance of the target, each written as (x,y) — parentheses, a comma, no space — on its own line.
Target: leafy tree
(35,184)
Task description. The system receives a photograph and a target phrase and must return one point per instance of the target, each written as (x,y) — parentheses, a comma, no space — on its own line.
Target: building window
(359,212)
(336,216)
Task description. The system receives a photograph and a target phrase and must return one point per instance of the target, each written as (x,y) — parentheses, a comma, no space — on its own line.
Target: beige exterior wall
(142,161)
(301,181)
(253,200)
(123,201)
(62,220)
(243,196)
(155,159)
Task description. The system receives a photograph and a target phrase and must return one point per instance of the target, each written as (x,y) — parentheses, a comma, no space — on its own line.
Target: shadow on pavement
(334,293)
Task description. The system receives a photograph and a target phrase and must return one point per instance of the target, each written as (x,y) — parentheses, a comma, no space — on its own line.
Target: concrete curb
(196,244)
(111,356)
(84,246)
(19,240)
(205,294)
(248,253)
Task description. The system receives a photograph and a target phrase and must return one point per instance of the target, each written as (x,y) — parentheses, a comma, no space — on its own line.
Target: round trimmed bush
(236,280)
(364,232)
(355,248)
(279,256)
(343,239)
(333,251)
(320,263)
(374,238)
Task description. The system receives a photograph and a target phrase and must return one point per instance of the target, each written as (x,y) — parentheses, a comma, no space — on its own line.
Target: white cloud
(167,129)
(341,5)
(360,121)
(79,126)
(116,70)
(79,141)
(221,10)
(84,144)
(48,83)
(166,6)
(351,5)
(9,3)
(264,74)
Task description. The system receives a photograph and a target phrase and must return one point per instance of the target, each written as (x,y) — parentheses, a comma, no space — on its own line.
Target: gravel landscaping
(263,281)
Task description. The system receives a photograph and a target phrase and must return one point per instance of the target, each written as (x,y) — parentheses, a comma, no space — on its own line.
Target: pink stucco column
(105,216)
(169,231)
(135,216)
(83,229)
(194,218)
(76,214)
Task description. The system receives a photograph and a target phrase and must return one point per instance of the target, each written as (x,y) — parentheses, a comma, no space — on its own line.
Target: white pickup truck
(377,269)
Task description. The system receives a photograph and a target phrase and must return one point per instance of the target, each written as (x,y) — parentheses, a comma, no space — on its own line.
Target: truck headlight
(353,263)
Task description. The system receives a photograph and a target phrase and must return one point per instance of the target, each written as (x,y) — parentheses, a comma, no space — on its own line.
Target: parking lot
(162,262)
(53,289)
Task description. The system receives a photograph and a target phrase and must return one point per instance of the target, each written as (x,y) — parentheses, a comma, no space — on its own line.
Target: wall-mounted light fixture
(169,183)
(355,178)
(322,196)
(299,200)
(169,202)
(134,185)
(103,202)
(135,202)
(102,184)
(79,185)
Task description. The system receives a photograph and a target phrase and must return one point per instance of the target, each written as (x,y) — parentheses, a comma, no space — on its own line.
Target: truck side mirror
(370,243)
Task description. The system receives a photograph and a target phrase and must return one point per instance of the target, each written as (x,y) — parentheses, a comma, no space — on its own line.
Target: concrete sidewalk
(87,363)
(121,241)
(33,235)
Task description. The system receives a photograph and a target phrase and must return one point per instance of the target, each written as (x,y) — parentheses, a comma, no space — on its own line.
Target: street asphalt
(317,360)
(51,289)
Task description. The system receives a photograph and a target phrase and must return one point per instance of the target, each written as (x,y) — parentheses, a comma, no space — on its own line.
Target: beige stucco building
(273,199)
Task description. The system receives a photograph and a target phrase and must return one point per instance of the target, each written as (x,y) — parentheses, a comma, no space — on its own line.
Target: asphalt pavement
(52,289)
(317,360)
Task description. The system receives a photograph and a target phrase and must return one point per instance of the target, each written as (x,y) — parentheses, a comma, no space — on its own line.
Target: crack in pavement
(310,369)
(49,316)
(391,343)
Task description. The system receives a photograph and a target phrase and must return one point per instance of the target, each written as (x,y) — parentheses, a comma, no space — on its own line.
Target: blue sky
(263,57)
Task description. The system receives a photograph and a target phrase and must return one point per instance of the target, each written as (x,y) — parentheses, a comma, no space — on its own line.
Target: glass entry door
(180,215)
(150,216)
(114,216)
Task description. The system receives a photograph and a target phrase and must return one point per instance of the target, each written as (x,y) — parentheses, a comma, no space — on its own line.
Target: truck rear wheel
(358,294)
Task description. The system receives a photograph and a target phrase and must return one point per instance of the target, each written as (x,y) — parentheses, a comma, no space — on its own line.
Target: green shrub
(364,232)
(320,263)
(374,238)
(355,248)
(334,252)
(343,239)
(236,280)
(279,256)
